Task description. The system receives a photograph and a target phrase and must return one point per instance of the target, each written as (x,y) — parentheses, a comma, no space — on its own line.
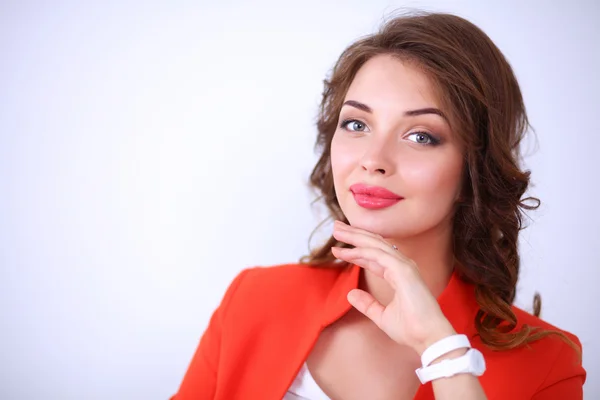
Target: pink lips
(373,197)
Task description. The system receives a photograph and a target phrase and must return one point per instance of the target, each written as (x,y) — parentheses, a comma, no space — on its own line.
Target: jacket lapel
(293,341)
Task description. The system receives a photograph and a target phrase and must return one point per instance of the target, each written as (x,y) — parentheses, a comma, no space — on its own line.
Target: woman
(419,133)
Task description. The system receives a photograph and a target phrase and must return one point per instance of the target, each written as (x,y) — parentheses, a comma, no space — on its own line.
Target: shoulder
(283,276)
(526,318)
(269,290)
(550,360)
(286,279)
(554,344)
(562,348)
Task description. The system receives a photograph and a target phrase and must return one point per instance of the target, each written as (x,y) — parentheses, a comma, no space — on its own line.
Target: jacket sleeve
(200,380)
(566,376)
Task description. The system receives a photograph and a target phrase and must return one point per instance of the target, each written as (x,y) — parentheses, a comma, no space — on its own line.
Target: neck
(433,254)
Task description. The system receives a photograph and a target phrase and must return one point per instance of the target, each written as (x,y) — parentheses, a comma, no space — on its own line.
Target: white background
(149,152)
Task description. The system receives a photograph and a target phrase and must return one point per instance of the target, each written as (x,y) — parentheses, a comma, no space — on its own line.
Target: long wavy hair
(479,90)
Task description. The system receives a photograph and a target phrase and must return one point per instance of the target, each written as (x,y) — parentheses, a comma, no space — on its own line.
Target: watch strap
(471,362)
(444,346)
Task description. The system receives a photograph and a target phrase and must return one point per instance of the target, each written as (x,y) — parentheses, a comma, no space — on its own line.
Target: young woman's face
(392,134)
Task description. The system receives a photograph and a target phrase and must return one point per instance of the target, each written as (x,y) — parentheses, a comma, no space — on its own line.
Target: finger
(359,238)
(342,229)
(367,305)
(372,259)
(370,265)
(341,226)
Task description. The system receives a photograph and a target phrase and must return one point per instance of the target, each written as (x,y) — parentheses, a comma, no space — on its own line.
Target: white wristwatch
(470,363)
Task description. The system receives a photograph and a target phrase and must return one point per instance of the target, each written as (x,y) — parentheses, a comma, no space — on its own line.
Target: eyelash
(433,141)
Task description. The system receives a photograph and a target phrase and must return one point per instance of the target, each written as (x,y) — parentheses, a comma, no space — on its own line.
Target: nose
(377,159)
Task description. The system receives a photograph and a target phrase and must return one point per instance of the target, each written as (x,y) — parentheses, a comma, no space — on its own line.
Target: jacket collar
(457,301)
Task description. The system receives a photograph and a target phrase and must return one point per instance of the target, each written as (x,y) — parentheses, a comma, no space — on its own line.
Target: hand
(413,317)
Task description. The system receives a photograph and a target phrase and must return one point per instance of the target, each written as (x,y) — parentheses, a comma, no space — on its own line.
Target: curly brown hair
(477,87)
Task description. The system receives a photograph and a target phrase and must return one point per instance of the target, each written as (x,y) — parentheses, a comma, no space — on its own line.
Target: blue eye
(424,138)
(353,125)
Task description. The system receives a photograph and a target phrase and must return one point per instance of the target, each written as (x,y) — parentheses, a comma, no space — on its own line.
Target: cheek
(342,159)
(436,177)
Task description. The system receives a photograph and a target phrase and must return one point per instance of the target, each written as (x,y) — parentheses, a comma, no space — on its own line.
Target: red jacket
(270,318)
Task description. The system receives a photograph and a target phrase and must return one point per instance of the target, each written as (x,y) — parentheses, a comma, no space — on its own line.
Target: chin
(380,223)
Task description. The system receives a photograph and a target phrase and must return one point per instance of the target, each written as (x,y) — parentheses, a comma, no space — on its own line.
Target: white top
(304,387)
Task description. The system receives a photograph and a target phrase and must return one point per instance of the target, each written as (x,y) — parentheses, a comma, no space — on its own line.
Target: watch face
(477,362)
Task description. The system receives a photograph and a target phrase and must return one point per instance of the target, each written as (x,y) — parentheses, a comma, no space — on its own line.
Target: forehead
(386,82)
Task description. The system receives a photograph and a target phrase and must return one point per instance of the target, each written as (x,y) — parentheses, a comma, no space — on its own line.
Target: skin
(396,315)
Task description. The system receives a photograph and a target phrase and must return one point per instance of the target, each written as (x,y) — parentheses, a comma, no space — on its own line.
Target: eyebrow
(410,113)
